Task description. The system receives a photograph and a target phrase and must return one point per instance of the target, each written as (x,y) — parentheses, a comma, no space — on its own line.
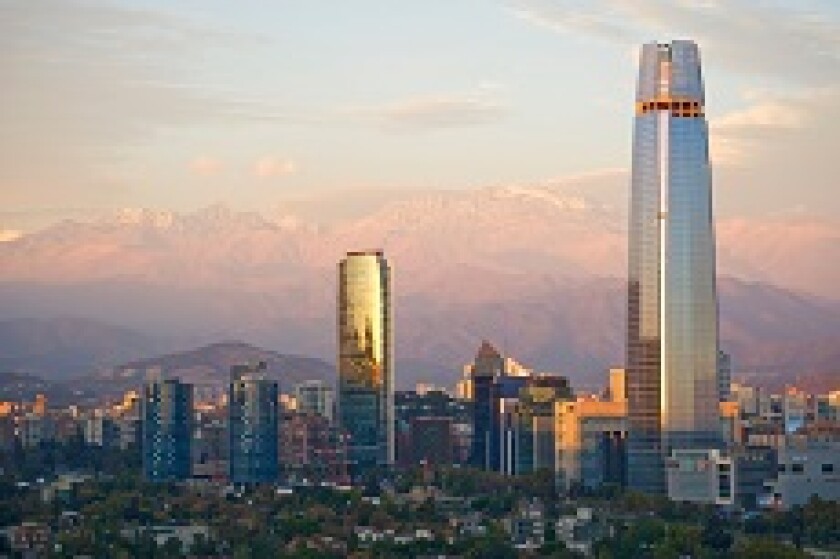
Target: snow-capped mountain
(534,268)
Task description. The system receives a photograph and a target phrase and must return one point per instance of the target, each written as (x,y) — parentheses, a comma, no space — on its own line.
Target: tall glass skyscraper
(365,359)
(253,420)
(672,337)
(167,408)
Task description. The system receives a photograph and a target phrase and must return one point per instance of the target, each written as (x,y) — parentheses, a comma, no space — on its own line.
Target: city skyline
(218,105)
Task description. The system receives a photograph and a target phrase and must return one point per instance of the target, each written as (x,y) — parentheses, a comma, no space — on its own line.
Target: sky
(267,104)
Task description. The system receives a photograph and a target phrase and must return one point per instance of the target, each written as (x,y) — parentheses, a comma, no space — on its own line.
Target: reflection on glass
(365,358)
(672,304)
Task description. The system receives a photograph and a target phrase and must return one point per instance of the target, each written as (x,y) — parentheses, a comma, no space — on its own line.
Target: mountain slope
(62,347)
(539,272)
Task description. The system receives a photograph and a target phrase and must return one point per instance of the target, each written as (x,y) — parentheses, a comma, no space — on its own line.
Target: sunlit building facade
(365,359)
(672,335)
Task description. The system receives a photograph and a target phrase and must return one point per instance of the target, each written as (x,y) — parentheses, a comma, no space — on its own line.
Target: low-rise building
(591,442)
(700,476)
(527,526)
(807,467)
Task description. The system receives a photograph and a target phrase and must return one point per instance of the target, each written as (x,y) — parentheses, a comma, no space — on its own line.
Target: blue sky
(178,105)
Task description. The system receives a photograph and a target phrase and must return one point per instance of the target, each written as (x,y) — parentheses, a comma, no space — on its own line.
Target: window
(797,468)
(827,468)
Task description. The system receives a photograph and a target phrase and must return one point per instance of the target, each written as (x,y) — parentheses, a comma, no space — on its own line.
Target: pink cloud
(206,166)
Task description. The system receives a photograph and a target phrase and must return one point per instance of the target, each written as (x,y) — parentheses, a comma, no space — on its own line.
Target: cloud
(743,36)
(8,235)
(206,166)
(90,82)
(440,111)
(562,18)
(269,167)
(740,136)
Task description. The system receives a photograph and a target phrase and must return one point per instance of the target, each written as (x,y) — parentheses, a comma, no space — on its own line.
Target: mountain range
(534,269)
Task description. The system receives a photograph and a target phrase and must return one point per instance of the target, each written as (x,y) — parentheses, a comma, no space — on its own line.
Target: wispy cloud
(8,235)
(90,81)
(561,17)
(206,166)
(740,136)
(440,111)
(744,36)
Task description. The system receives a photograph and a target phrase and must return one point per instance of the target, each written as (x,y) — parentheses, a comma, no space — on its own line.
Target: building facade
(253,416)
(808,467)
(366,359)
(315,396)
(701,476)
(312,448)
(590,441)
(672,329)
(166,409)
(411,406)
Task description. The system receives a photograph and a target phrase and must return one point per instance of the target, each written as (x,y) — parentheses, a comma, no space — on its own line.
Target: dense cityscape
(673,457)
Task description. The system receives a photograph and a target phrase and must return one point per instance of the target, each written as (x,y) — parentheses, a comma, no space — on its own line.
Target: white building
(700,476)
(806,469)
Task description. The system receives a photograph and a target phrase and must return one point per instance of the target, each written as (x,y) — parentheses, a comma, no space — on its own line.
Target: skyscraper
(672,338)
(252,425)
(365,358)
(167,429)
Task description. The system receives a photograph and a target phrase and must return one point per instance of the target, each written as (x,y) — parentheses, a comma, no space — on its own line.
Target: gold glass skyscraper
(672,324)
(365,358)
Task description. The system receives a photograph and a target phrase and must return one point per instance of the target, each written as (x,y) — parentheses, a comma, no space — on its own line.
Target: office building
(166,412)
(590,442)
(366,359)
(513,411)
(700,476)
(430,441)
(672,328)
(724,366)
(808,467)
(431,404)
(617,391)
(99,430)
(315,396)
(253,416)
(312,448)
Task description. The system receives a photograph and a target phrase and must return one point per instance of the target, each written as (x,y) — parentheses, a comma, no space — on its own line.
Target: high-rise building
(724,369)
(672,329)
(253,415)
(366,359)
(513,427)
(315,396)
(166,410)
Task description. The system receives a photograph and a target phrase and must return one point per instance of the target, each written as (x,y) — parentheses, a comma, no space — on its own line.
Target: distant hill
(210,366)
